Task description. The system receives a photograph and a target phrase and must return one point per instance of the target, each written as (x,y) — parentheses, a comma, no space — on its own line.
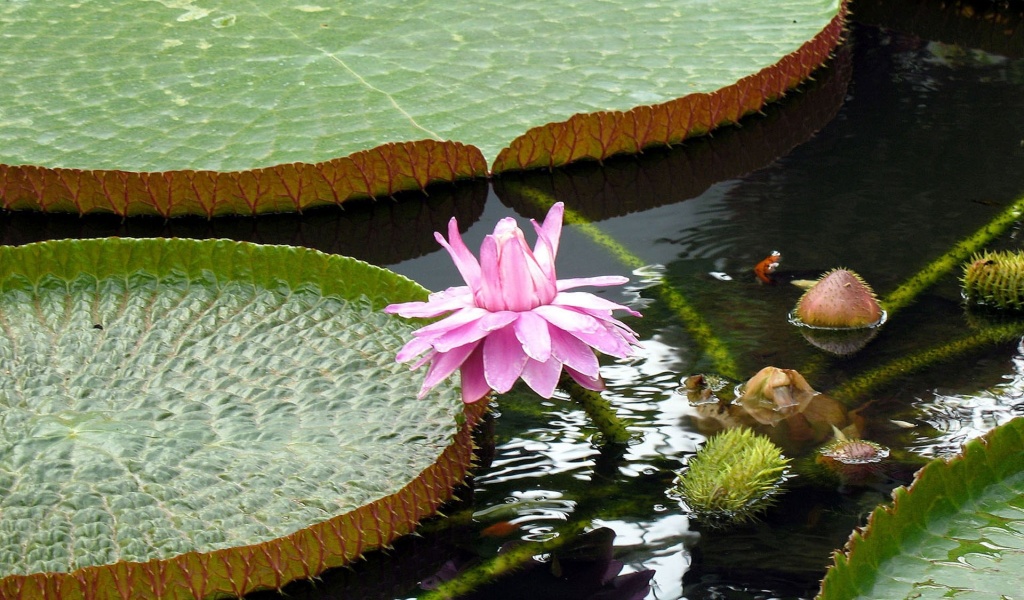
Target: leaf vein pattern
(334,57)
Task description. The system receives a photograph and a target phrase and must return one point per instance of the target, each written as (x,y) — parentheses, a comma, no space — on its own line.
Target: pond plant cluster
(206,418)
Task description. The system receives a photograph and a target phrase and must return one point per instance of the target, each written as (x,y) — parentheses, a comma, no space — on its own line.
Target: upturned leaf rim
(271,564)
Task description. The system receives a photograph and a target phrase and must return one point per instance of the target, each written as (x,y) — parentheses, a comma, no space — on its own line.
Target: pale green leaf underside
(147,85)
(976,554)
(957,532)
(168,410)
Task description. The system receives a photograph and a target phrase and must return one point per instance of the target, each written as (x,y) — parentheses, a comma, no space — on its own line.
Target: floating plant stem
(905,294)
(716,350)
(696,326)
(600,411)
(505,562)
(864,384)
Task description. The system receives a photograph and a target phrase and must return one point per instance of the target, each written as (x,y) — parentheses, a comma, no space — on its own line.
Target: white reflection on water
(550,471)
(958,418)
(660,545)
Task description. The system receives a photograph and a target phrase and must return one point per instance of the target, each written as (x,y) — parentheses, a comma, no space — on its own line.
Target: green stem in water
(909,290)
(862,385)
(905,294)
(600,411)
(504,563)
(715,349)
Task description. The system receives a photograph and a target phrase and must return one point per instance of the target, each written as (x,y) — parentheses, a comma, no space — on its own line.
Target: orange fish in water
(499,529)
(766,267)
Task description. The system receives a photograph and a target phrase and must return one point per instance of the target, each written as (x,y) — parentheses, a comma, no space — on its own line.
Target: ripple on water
(958,418)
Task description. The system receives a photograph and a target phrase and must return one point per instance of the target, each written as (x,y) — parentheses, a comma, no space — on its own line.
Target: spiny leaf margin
(600,135)
(294,187)
(669,177)
(940,489)
(305,553)
(298,186)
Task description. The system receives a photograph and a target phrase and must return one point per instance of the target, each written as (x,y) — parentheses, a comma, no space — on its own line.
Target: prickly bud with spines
(840,299)
(995,279)
(733,477)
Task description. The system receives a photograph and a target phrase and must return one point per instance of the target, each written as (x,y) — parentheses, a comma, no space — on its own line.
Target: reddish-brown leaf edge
(394,167)
(293,187)
(687,172)
(599,135)
(268,565)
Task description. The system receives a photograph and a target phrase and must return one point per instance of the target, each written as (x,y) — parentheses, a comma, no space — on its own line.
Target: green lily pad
(663,178)
(406,93)
(172,403)
(957,531)
(228,86)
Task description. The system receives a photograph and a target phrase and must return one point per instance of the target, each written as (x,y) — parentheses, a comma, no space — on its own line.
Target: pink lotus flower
(514,318)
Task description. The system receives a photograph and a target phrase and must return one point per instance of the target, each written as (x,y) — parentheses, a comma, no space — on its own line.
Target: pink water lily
(514,319)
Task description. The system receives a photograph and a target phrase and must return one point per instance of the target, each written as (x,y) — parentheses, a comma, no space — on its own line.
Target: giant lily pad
(957,531)
(185,419)
(662,178)
(183,106)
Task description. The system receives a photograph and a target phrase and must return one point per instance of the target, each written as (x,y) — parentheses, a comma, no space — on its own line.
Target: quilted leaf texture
(169,108)
(187,419)
(599,135)
(668,177)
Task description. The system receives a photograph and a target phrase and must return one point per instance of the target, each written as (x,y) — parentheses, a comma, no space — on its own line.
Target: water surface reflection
(899,150)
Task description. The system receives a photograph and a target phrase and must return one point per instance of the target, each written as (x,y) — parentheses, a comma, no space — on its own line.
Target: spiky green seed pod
(733,477)
(995,279)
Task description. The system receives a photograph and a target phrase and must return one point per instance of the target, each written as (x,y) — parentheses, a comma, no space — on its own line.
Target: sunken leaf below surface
(220,406)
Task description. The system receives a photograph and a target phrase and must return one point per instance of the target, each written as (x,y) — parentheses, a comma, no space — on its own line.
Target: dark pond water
(901,148)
